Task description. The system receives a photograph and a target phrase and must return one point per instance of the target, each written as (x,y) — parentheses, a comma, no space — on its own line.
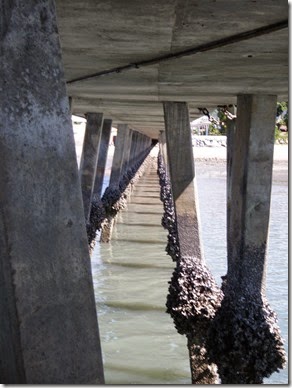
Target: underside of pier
(125,59)
(147,68)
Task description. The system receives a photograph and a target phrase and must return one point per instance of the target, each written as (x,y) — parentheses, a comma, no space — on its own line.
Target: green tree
(282,112)
(222,122)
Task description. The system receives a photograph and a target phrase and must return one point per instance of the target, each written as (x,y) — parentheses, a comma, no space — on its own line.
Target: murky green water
(131,274)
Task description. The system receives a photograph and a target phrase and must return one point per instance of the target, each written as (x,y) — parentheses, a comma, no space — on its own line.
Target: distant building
(282,127)
(200,126)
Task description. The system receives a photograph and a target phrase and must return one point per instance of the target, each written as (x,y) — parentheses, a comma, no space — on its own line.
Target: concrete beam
(89,158)
(49,331)
(102,158)
(256,65)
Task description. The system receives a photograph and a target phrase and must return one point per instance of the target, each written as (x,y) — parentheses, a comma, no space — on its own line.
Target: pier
(148,70)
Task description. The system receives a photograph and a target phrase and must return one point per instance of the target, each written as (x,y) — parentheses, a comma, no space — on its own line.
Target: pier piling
(49,330)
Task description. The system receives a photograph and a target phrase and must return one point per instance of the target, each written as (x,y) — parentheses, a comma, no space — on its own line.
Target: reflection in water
(131,274)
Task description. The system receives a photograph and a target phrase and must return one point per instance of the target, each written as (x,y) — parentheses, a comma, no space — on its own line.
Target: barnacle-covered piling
(193,297)
(244,339)
(238,333)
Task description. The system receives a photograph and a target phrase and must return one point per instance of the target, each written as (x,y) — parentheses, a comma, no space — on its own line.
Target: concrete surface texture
(98,36)
(49,331)
(89,158)
(182,175)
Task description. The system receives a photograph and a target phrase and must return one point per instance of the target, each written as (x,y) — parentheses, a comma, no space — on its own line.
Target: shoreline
(201,154)
(208,159)
(219,153)
(211,162)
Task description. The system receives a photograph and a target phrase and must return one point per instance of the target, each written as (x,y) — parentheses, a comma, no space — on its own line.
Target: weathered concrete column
(149,142)
(133,148)
(251,183)
(182,175)
(113,192)
(71,103)
(89,158)
(231,127)
(146,144)
(119,154)
(193,295)
(138,140)
(245,338)
(163,150)
(140,145)
(126,159)
(102,158)
(49,331)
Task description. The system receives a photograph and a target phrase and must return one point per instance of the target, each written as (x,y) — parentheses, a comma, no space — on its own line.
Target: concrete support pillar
(138,139)
(141,139)
(137,148)
(126,159)
(89,158)
(119,154)
(49,331)
(231,127)
(251,180)
(102,158)
(182,175)
(191,284)
(71,102)
(163,150)
(121,143)
(245,312)
(146,143)
(149,142)
(133,149)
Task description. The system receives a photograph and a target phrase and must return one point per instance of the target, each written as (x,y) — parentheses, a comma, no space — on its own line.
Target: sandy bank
(211,162)
(219,153)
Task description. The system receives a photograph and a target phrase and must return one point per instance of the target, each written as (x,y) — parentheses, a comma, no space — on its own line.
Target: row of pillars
(48,328)
(237,313)
(249,178)
(129,147)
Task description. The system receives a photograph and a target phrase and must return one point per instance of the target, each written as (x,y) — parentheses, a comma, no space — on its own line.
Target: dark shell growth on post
(244,341)
(236,331)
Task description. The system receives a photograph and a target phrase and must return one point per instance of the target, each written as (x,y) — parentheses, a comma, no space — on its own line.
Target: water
(131,274)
